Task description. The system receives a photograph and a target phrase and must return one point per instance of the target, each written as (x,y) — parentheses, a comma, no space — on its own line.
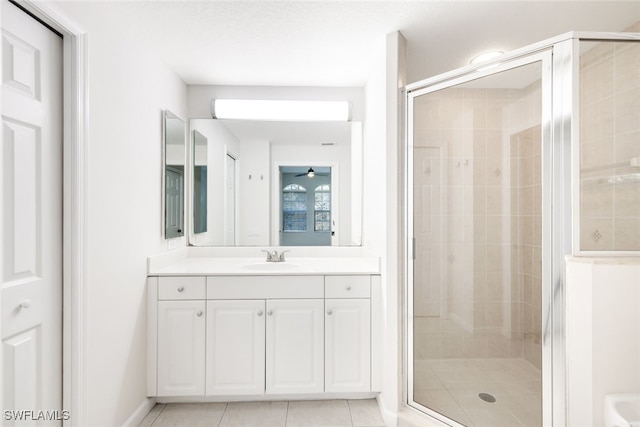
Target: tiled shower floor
(321,413)
(451,387)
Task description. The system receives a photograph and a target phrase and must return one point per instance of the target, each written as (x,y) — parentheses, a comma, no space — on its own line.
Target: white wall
(602,333)
(128,90)
(382,203)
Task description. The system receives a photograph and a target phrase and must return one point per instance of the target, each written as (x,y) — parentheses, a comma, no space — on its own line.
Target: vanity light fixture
(280,110)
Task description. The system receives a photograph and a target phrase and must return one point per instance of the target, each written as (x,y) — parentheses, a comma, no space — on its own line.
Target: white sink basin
(622,410)
(270,266)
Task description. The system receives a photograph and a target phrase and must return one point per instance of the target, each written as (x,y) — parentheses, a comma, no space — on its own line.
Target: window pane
(322,205)
(294,208)
(322,221)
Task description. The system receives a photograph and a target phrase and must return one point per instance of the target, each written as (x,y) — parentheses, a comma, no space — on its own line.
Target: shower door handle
(413,248)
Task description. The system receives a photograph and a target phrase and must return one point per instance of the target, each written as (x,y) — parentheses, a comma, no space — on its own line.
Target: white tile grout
(224,411)
(286,415)
(162,406)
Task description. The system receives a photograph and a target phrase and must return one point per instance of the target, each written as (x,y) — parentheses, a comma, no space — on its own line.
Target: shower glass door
(475,162)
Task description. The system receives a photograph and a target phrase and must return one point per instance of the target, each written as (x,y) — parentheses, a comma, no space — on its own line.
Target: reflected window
(322,210)
(294,208)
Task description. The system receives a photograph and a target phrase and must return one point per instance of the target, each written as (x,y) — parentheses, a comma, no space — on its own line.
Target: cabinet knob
(181,288)
(199,313)
(270,312)
(259,312)
(329,312)
(25,304)
(348,287)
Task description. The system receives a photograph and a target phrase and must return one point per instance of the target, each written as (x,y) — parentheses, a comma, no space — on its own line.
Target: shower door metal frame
(541,53)
(560,198)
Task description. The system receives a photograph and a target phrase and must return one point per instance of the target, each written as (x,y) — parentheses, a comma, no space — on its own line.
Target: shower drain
(487,397)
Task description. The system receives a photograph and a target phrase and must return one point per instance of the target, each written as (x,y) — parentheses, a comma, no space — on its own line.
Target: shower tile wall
(486,197)
(526,238)
(609,139)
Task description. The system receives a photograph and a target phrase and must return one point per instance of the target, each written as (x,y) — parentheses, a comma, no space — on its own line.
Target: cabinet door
(181,329)
(295,346)
(235,347)
(347,345)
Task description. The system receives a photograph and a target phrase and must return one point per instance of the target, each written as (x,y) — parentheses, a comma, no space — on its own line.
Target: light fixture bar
(280,110)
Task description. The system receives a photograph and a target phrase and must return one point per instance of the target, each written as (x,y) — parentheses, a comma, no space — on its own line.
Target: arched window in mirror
(322,210)
(294,208)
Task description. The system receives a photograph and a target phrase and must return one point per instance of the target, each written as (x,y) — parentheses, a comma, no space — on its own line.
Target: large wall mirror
(173,175)
(259,183)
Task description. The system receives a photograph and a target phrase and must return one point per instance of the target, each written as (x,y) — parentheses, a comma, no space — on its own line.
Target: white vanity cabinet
(347,333)
(180,337)
(293,349)
(262,335)
(235,347)
(295,346)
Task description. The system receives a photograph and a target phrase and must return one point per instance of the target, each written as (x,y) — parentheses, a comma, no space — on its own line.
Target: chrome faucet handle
(270,254)
(281,258)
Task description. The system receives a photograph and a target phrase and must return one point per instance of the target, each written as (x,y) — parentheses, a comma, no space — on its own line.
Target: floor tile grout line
(350,413)
(286,414)
(164,405)
(224,411)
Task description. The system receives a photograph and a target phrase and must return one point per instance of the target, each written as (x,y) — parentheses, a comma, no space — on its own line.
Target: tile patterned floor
(451,387)
(317,413)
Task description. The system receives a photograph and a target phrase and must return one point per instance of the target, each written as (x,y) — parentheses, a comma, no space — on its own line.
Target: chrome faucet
(273,256)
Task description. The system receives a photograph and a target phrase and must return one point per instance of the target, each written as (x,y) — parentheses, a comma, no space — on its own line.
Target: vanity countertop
(240,266)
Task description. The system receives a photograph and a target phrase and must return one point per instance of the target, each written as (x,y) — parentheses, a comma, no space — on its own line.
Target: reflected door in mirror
(305,206)
(173,160)
(174,202)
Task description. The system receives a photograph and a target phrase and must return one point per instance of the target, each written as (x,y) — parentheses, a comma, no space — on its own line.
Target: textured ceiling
(337,43)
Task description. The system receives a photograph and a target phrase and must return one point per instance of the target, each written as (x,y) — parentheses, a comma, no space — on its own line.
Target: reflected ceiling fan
(311,173)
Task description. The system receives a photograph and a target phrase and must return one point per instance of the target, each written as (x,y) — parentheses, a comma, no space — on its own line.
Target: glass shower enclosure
(511,167)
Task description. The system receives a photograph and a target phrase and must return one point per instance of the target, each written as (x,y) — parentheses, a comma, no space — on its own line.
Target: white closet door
(31,215)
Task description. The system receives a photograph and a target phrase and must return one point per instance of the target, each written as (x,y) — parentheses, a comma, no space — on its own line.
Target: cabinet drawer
(264,287)
(181,288)
(347,287)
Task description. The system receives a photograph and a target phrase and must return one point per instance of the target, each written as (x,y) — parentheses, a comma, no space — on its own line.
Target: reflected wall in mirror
(173,175)
(251,162)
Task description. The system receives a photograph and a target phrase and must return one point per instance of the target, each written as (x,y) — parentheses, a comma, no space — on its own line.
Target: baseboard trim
(264,397)
(141,411)
(389,417)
